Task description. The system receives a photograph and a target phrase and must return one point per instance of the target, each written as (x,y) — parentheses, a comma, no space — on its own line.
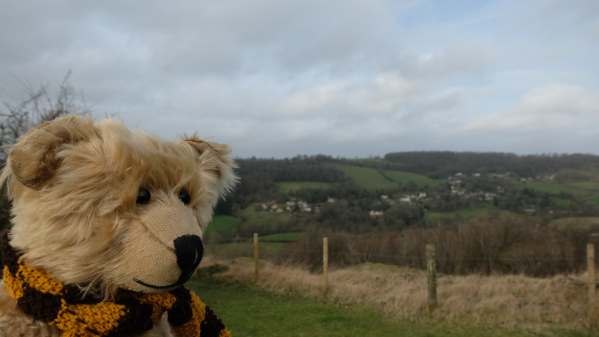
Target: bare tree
(39,106)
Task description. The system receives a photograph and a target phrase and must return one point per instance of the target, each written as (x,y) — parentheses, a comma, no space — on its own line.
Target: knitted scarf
(131,313)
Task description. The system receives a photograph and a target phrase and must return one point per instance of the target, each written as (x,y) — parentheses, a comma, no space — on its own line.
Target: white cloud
(561,106)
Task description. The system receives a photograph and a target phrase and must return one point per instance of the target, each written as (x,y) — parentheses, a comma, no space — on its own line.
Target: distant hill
(372,178)
(434,164)
(446,163)
(267,179)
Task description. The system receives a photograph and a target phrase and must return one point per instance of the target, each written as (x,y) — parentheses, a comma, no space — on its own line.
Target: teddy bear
(107,226)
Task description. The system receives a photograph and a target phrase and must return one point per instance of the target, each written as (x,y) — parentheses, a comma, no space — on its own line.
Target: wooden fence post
(592,284)
(256,258)
(325,264)
(431,273)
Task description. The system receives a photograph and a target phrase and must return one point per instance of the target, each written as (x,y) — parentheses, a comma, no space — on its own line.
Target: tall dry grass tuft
(507,300)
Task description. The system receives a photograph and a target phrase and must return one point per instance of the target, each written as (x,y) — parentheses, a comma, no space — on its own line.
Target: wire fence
(430,261)
(345,252)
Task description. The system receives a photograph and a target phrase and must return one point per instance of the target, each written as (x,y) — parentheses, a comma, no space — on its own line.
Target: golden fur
(74,185)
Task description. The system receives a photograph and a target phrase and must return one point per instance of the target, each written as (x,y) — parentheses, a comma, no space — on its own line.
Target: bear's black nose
(189,250)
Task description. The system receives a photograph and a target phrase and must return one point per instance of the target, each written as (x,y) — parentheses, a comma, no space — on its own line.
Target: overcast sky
(351,78)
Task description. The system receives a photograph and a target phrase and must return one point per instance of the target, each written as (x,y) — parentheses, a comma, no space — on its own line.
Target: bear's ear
(33,159)
(215,161)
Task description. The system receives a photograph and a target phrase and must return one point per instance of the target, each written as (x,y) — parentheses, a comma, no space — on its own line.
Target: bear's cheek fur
(143,257)
(147,244)
(167,218)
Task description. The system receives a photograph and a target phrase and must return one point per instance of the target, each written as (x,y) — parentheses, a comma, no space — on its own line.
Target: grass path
(250,312)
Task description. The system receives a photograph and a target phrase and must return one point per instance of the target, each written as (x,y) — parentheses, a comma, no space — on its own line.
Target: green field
(249,312)
(553,187)
(403,178)
(223,226)
(465,213)
(582,189)
(292,186)
(269,250)
(282,237)
(373,179)
(367,178)
(267,221)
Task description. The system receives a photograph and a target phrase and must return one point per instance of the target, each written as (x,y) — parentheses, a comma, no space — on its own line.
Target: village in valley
(460,188)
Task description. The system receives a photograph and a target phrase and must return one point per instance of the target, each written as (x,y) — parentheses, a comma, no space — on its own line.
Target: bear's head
(98,205)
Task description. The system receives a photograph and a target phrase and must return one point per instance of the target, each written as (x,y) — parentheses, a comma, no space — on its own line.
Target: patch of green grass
(292,186)
(402,177)
(465,213)
(585,185)
(367,178)
(244,249)
(555,188)
(562,203)
(282,237)
(224,226)
(585,190)
(268,221)
(250,312)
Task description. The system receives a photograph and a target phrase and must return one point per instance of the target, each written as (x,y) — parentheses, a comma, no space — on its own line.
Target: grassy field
(225,226)
(403,178)
(292,186)
(581,188)
(586,190)
(268,221)
(250,312)
(282,237)
(244,249)
(465,213)
(554,187)
(367,178)
(373,179)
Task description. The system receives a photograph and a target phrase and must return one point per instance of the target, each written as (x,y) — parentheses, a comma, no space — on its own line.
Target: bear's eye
(184,196)
(143,196)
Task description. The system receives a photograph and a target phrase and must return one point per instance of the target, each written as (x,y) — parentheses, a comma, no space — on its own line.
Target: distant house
(489,196)
(376,214)
(304,207)
(406,198)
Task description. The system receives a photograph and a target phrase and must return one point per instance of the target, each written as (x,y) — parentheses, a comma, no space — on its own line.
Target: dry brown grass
(507,300)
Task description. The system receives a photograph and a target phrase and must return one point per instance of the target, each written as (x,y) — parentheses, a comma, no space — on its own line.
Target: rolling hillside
(374,179)
(292,186)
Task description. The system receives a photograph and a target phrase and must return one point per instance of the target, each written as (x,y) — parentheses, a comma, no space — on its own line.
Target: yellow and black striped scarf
(131,313)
